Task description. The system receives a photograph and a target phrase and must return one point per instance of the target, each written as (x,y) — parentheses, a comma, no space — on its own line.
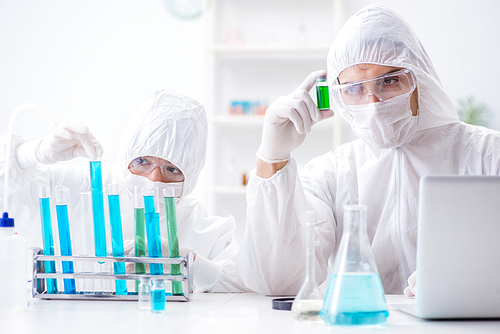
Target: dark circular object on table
(283,304)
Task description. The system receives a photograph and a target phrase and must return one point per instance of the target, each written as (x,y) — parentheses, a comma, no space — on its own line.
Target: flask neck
(310,256)
(6,231)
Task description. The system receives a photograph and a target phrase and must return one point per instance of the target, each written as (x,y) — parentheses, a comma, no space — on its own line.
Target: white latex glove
(411,289)
(67,141)
(288,120)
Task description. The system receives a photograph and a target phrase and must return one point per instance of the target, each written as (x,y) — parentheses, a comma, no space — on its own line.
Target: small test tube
(98,208)
(158,296)
(173,241)
(140,236)
(144,293)
(47,236)
(153,237)
(116,236)
(322,94)
(65,236)
(87,233)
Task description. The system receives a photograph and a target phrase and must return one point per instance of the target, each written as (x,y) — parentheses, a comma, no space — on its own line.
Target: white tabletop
(207,313)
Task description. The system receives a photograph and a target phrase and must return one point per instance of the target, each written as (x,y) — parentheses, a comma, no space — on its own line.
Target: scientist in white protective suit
(387,89)
(163,143)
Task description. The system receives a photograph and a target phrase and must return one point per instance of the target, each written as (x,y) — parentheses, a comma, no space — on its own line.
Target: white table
(207,313)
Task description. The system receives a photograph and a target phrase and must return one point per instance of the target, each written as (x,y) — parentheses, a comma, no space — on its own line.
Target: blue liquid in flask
(358,299)
(48,243)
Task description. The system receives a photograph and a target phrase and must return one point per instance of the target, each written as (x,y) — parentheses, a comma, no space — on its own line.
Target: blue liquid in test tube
(152,231)
(98,208)
(65,237)
(47,236)
(117,236)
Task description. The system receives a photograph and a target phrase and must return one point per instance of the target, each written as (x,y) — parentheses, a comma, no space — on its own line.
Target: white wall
(93,61)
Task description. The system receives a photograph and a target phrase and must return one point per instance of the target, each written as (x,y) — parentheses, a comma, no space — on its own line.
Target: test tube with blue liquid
(140,232)
(152,230)
(117,236)
(98,208)
(173,241)
(65,236)
(47,236)
(87,239)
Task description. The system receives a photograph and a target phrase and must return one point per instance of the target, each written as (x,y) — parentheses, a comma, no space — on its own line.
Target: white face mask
(141,181)
(387,124)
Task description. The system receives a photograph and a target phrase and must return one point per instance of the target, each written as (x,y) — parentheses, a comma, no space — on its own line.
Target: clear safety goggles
(145,165)
(377,89)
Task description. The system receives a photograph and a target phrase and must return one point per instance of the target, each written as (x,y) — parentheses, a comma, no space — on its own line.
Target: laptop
(458,248)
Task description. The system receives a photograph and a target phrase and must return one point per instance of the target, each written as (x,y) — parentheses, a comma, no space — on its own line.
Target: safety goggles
(376,89)
(145,165)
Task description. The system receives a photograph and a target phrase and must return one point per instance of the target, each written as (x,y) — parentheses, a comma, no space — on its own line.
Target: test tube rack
(39,276)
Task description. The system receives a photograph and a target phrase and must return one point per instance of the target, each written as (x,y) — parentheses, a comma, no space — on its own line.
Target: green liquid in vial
(322,97)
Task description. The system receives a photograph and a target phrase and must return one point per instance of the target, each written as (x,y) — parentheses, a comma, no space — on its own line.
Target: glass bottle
(144,293)
(322,94)
(309,300)
(355,295)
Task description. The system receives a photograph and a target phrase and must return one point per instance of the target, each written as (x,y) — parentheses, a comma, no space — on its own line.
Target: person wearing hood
(164,143)
(387,89)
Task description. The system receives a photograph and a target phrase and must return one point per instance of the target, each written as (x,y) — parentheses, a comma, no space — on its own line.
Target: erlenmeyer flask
(309,300)
(355,295)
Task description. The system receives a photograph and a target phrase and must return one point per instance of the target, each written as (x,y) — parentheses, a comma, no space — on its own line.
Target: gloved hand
(288,120)
(411,289)
(67,141)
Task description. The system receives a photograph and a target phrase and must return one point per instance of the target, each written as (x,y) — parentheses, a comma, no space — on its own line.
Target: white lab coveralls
(166,125)
(272,253)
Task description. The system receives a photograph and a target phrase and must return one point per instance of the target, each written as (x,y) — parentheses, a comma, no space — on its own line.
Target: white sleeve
(272,254)
(18,176)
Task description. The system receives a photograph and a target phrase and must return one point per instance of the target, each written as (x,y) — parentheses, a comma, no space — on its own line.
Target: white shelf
(243,120)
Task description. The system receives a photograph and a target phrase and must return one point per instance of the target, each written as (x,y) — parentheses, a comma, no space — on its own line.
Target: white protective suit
(168,126)
(385,180)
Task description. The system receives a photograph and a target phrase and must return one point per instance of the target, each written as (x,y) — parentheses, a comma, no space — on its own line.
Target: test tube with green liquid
(173,241)
(65,237)
(116,236)
(152,231)
(322,95)
(98,208)
(47,236)
(140,236)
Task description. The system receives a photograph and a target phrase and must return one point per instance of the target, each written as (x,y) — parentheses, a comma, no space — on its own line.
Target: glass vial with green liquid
(322,95)
(355,295)
(173,241)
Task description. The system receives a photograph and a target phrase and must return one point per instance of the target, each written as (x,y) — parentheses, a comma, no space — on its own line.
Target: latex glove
(288,120)
(67,141)
(411,289)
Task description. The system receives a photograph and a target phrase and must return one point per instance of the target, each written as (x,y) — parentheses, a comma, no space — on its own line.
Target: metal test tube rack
(39,276)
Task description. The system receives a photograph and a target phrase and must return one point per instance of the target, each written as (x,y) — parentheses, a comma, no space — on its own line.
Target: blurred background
(94,61)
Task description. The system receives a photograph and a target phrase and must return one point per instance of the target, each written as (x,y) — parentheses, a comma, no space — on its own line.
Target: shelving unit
(257,51)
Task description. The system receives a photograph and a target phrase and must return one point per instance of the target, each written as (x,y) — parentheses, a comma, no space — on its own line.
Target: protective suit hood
(377,35)
(170,126)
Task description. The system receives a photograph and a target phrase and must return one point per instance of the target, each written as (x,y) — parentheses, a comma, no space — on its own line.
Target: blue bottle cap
(5,221)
